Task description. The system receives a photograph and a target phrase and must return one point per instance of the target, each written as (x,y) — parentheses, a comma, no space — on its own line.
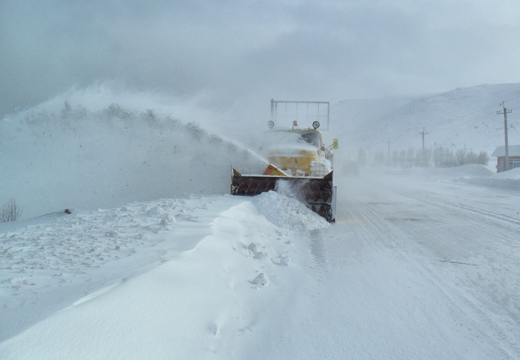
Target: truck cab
(298,152)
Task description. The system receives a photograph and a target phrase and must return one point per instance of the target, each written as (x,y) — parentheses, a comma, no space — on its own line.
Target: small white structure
(514,157)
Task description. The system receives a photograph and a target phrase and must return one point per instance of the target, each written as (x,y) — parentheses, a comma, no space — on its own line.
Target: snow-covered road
(416,267)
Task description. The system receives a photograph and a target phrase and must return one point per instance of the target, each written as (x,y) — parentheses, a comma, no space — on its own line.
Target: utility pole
(505,112)
(388,154)
(423,154)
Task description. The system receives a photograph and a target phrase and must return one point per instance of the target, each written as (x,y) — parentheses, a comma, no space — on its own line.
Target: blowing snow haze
(101,100)
(132,113)
(238,55)
(67,155)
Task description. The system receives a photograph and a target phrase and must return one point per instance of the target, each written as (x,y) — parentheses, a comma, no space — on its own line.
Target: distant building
(514,157)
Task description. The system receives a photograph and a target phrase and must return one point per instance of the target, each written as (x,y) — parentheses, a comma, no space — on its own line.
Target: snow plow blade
(317,193)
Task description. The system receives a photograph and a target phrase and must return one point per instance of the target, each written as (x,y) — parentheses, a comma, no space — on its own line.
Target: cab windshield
(293,138)
(312,139)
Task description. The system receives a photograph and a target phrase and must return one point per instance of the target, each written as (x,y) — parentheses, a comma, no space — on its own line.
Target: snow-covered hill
(456,119)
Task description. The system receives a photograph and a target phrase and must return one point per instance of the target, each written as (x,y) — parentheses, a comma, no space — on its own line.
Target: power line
(455,122)
(423,133)
(505,112)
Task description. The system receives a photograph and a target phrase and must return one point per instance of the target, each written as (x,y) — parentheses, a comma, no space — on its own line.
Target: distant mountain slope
(464,117)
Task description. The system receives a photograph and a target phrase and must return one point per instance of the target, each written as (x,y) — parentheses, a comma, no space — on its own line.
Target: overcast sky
(256,50)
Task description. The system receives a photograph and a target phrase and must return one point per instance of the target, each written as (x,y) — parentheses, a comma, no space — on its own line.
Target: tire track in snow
(496,267)
(378,229)
(489,217)
(317,250)
(316,263)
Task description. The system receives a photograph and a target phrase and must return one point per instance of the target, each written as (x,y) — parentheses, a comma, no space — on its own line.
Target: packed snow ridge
(47,259)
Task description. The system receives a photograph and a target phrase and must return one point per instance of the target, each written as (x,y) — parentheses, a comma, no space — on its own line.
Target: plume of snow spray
(81,154)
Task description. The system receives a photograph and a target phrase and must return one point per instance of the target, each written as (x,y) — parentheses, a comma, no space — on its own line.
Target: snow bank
(471,174)
(510,174)
(206,302)
(464,171)
(482,176)
(472,170)
(288,212)
(46,261)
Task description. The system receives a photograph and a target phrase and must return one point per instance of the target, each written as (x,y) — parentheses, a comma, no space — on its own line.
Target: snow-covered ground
(157,262)
(464,118)
(179,278)
(420,265)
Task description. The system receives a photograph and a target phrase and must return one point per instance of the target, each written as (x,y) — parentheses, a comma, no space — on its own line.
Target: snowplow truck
(299,166)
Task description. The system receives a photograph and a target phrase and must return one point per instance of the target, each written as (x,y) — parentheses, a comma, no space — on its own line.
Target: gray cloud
(255,50)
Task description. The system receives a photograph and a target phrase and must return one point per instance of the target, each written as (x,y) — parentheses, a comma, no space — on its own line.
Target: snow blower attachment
(317,193)
(300,165)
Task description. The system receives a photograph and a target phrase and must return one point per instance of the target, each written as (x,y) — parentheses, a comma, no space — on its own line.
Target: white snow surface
(156,262)
(287,212)
(510,174)
(414,268)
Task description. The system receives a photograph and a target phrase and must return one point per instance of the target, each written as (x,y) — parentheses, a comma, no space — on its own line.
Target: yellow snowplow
(299,164)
